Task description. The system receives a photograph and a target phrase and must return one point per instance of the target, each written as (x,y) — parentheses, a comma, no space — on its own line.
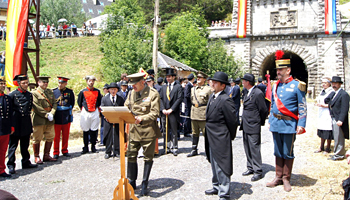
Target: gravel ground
(90,176)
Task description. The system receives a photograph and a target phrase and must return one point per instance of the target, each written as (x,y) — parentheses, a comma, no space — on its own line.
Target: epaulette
(302,86)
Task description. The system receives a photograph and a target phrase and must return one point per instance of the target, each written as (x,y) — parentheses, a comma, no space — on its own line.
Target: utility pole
(156,23)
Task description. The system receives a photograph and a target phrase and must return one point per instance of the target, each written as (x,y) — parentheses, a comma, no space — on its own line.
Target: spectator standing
(83,29)
(90,27)
(2,63)
(53,30)
(339,109)
(324,122)
(105,92)
(42,30)
(60,29)
(65,29)
(48,28)
(188,105)
(74,29)
(124,89)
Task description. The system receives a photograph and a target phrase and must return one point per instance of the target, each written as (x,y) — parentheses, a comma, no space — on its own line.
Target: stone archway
(304,62)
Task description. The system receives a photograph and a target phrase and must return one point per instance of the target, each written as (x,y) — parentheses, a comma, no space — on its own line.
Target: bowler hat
(260,80)
(336,79)
(249,77)
(221,77)
(170,72)
(150,71)
(238,80)
(160,80)
(190,77)
(113,85)
(105,86)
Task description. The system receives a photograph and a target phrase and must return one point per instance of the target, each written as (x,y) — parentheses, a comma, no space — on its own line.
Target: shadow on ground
(301,180)
(163,185)
(240,189)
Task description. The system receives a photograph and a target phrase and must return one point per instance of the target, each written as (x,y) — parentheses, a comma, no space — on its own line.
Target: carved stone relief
(283,18)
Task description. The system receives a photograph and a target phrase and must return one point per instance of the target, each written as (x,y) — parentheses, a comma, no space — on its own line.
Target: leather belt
(48,109)
(198,105)
(279,117)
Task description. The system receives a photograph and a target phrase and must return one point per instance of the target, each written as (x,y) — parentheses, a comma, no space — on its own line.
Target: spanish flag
(242,19)
(141,70)
(17,19)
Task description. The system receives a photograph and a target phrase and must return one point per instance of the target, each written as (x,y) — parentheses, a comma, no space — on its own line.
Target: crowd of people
(63,30)
(191,106)
(220,23)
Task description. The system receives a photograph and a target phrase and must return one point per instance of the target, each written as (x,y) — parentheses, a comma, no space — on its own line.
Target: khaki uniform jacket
(41,106)
(146,107)
(203,94)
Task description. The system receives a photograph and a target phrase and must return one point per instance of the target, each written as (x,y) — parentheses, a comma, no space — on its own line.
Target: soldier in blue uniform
(63,116)
(22,101)
(287,119)
(6,125)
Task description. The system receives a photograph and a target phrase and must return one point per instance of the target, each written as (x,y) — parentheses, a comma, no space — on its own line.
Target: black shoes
(193,153)
(211,192)
(5,175)
(55,157)
(93,149)
(256,177)
(85,150)
(107,156)
(335,158)
(67,155)
(11,169)
(248,172)
(28,166)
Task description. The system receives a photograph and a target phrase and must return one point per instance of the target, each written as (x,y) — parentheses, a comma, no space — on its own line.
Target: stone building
(298,28)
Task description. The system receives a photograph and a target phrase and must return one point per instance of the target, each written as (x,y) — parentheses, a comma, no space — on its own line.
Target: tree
(53,10)
(186,39)
(220,60)
(126,42)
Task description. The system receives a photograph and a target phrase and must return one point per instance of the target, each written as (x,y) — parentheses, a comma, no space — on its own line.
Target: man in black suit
(158,86)
(124,91)
(171,97)
(253,117)
(188,105)
(261,86)
(235,94)
(221,126)
(111,131)
(339,108)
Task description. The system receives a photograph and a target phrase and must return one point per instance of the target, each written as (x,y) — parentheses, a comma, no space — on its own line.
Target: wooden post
(155,39)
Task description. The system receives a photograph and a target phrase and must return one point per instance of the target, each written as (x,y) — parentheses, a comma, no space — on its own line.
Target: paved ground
(91,176)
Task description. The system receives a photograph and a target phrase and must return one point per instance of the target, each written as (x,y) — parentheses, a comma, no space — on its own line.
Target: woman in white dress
(324,125)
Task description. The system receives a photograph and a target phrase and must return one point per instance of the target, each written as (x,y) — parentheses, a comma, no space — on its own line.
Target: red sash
(280,105)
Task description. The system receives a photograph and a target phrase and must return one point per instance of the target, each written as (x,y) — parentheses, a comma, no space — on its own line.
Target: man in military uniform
(89,101)
(200,95)
(22,102)
(150,81)
(6,125)
(44,109)
(143,102)
(63,117)
(287,119)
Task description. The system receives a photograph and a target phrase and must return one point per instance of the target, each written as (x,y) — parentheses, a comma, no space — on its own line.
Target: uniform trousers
(220,181)
(4,142)
(172,125)
(24,145)
(284,145)
(252,148)
(89,120)
(148,150)
(339,140)
(197,127)
(43,130)
(64,129)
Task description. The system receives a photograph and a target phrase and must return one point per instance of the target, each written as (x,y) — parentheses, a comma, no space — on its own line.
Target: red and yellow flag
(242,19)
(17,19)
(141,70)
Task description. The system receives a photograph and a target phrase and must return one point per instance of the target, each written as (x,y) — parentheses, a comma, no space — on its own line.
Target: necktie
(231,91)
(113,100)
(323,92)
(168,92)
(124,93)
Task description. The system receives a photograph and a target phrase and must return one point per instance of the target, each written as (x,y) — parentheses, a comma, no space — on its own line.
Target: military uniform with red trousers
(6,128)
(22,102)
(89,101)
(63,118)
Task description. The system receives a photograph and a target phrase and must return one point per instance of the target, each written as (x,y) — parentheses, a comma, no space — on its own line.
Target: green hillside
(72,57)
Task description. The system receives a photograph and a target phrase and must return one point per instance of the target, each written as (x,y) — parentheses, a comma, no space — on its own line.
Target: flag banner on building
(17,18)
(331,17)
(242,19)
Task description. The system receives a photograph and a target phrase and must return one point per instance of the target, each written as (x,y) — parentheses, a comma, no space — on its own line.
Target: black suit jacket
(108,127)
(220,128)
(339,109)
(187,95)
(254,112)
(176,97)
(236,96)
(262,87)
(121,94)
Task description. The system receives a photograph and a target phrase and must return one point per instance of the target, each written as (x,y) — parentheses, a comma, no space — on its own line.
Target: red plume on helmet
(279,54)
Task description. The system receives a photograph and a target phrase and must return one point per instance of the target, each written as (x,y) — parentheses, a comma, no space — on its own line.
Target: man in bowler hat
(188,105)
(220,128)
(170,100)
(253,117)
(339,109)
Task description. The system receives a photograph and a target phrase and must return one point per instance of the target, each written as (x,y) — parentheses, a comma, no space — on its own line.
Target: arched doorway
(299,70)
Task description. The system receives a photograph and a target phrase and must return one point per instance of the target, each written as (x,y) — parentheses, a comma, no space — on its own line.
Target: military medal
(196,105)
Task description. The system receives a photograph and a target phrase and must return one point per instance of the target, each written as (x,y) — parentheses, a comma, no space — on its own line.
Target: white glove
(50,117)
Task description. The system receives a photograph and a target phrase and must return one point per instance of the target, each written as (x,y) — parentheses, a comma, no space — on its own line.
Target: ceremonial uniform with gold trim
(63,118)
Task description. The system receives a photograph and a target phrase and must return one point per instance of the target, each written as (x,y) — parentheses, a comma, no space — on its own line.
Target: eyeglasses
(45,81)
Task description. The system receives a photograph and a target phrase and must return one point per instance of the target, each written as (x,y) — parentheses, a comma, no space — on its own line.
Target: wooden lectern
(121,115)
